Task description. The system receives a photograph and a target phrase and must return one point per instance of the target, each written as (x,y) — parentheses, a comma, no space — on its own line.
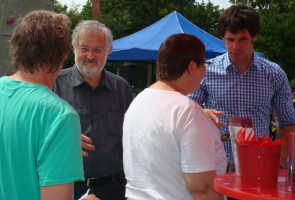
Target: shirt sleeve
(283,100)
(60,156)
(197,144)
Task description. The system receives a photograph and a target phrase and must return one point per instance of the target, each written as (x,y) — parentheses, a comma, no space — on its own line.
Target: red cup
(259,165)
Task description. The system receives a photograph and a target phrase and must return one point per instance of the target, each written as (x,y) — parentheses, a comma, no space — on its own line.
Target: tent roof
(144,44)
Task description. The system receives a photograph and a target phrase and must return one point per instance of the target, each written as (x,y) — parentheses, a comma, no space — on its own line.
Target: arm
(284,134)
(284,110)
(200,185)
(95,9)
(57,192)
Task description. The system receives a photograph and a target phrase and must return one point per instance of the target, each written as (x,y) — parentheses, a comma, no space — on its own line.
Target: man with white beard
(101,99)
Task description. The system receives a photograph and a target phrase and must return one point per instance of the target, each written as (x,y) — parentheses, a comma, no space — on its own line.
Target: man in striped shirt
(240,83)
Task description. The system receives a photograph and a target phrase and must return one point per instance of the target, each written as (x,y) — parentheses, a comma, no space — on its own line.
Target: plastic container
(291,163)
(259,165)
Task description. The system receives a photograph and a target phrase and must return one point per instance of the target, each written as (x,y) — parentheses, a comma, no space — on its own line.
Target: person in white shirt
(171,149)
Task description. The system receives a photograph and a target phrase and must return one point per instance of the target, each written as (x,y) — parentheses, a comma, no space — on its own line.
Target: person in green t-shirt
(40,142)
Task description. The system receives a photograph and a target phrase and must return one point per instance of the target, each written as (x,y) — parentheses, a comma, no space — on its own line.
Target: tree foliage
(124,17)
(128,16)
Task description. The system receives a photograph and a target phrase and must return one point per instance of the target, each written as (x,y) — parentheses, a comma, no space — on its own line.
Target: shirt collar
(256,61)
(253,65)
(78,79)
(227,63)
(105,80)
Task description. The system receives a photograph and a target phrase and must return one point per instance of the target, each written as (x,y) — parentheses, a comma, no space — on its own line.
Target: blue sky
(221,3)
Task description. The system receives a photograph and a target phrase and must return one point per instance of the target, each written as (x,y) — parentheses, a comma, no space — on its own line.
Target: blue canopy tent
(143,45)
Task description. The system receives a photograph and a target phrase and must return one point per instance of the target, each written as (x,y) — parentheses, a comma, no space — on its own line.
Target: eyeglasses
(97,51)
(207,63)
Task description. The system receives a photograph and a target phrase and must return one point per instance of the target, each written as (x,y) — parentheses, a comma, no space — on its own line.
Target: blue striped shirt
(251,94)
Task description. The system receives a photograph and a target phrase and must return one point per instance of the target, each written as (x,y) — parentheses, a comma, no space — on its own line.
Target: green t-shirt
(39,140)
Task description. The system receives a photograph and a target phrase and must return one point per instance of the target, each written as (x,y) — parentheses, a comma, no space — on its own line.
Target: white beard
(88,72)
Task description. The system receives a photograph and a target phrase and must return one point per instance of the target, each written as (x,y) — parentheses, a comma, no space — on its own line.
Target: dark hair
(40,41)
(176,52)
(238,18)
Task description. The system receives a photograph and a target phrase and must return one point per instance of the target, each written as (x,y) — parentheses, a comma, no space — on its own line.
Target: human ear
(254,39)
(110,50)
(191,66)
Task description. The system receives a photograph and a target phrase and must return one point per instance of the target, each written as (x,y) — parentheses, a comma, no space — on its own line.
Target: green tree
(205,16)
(277,37)
(125,17)
(58,8)
(75,16)
(129,16)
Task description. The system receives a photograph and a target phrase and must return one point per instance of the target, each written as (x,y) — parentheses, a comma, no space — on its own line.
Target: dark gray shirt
(101,112)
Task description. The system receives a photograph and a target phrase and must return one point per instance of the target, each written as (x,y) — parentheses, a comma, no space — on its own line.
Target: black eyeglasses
(207,63)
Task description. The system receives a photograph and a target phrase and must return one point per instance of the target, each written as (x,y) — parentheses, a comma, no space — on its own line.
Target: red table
(230,185)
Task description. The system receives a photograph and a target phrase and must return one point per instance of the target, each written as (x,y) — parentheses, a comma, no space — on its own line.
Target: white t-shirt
(166,134)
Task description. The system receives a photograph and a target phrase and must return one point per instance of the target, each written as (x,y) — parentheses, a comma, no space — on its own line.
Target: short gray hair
(92,25)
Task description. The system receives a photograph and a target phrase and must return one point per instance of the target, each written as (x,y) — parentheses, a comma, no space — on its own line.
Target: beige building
(10,12)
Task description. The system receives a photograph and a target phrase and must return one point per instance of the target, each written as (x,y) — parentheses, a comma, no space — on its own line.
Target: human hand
(86,144)
(211,113)
(90,197)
